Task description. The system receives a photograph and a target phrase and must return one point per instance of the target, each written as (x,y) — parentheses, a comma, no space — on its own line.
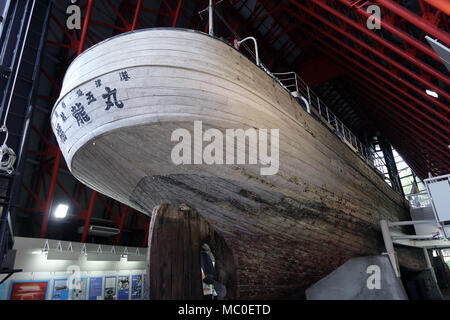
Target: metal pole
(389,246)
(429,266)
(256,47)
(16,72)
(211,18)
(408,223)
(88,216)
(136,15)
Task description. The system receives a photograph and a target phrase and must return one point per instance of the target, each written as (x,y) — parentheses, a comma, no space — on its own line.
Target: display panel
(28,290)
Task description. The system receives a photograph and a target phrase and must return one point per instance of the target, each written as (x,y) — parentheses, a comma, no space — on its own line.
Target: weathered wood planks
(286,230)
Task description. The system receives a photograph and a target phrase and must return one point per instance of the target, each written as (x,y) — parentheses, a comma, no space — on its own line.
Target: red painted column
(88,216)
(177,13)
(85,26)
(122,222)
(51,191)
(147,232)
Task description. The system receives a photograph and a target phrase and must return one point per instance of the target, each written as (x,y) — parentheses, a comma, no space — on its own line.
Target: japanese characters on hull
(78,108)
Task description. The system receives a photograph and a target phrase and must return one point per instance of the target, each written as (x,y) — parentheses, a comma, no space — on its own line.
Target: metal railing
(298,88)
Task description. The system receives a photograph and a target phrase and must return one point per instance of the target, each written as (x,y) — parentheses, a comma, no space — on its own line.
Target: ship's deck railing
(297,87)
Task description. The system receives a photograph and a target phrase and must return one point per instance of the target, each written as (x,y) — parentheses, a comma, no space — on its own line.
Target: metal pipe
(415,236)
(136,15)
(376,52)
(307,104)
(429,266)
(408,223)
(416,20)
(211,18)
(256,47)
(389,246)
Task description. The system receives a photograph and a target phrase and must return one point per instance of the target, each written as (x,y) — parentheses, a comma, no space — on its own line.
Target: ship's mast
(211,18)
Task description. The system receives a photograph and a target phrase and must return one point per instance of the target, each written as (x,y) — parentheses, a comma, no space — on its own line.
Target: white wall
(36,267)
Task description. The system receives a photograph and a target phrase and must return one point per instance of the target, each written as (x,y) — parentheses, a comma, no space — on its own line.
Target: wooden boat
(120,103)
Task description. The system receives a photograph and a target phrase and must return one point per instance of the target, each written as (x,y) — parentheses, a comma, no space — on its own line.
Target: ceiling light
(61,210)
(431,93)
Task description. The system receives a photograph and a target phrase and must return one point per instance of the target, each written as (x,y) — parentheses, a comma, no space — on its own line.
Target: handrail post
(256,46)
(211,18)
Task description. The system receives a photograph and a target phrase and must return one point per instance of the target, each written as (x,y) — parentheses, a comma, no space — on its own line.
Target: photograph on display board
(136,286)
(28,290)
(145,286)
(60,289)
(79,287)
(110,288)
(95,288)
(123,287)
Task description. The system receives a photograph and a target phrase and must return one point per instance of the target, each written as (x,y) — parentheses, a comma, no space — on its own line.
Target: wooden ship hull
(122,100)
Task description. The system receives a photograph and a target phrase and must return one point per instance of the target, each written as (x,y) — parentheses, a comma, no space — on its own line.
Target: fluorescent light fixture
(431,93)
(94,256)
(63,255)
(61,211)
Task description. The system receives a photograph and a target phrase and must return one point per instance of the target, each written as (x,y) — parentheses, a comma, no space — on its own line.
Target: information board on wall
(95,288)
(28,290)
(78,289)
(90,285)
(110,288)
(136,286)
(123,287)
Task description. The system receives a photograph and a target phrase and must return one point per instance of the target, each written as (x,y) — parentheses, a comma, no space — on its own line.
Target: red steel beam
(136,14)
(416,20)
(88,216)
(438,153)
(387,107)
(396,31)
(147,232)
(444,6)
(48,202)
(382,55)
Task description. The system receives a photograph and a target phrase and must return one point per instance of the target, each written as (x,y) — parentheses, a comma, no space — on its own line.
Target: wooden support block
(173,261)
